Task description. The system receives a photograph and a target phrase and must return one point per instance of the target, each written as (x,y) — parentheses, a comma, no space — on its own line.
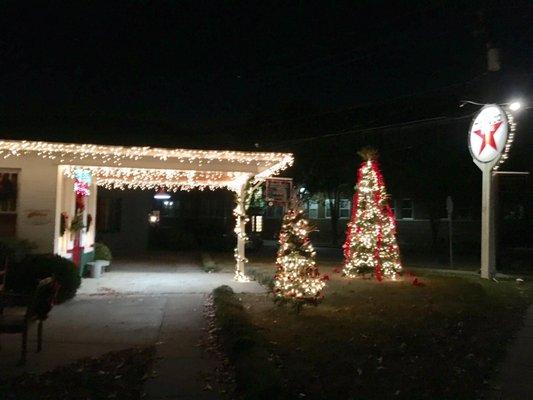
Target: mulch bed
(115,375)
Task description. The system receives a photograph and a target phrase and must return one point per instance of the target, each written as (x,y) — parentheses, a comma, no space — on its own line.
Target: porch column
(240,230)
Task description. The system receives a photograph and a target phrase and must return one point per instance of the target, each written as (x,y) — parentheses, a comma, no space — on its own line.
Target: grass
(371,340)
(115,375)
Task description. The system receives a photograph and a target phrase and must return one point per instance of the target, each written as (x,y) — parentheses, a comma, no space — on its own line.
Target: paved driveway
(160,274)
(141,302)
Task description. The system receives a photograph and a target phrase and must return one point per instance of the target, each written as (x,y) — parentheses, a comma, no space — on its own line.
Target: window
(344,208)
(407,209)
(108,215)
(312,209)
(257,223)
(8,202)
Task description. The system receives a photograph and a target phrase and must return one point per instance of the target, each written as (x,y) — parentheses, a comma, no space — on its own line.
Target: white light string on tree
(371,245)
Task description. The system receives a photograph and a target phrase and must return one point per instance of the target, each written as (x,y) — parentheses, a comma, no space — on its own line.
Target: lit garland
(297,278)
(370,245)
(151,178)
(244,192)
(116,155)
(82,180)
(508,142)
(118,167)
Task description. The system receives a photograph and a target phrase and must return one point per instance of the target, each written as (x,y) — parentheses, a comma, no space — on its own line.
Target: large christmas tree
(297,278)
(370,245)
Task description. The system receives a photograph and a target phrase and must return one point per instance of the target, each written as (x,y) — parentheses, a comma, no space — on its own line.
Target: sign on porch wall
(38,217)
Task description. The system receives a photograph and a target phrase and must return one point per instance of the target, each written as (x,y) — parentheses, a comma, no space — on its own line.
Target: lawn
(379,340)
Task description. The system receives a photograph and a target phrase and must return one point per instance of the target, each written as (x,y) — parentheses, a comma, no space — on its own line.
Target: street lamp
(515,106)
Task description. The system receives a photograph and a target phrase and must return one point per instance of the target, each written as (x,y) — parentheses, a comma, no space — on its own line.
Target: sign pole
(488,255)
(489,140)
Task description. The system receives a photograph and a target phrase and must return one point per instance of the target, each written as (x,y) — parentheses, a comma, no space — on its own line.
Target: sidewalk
(182,366)
(143,303)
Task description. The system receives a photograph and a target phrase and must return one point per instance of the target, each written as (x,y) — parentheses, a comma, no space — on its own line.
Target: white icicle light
(68,152)
(151,178)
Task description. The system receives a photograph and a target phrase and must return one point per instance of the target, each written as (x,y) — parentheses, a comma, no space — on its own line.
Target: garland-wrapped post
(370,246)
(241,218)
(297,278)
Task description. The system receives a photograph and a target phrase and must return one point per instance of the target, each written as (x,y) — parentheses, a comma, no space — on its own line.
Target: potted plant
(102,255)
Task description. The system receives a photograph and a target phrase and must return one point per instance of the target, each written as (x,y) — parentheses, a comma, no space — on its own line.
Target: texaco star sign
(488,134)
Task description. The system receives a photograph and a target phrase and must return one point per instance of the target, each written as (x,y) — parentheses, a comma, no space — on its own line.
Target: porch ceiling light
(161,195)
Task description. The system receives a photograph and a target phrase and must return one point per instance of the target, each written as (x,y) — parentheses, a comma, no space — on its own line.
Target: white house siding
(37,182)
(43,189)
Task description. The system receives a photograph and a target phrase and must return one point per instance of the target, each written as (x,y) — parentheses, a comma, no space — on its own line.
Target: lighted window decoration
(257,223)
(82,181)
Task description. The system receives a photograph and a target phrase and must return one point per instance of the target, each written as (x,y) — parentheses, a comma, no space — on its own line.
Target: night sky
(160,73)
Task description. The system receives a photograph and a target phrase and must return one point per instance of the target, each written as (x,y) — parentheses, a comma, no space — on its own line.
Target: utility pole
(449,210)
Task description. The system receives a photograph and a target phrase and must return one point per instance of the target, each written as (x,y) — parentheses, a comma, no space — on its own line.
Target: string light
(510,138)
(371,245)
(82,181)
(186,170)
(269,163)
(241,218)
(152,178)
(297,277)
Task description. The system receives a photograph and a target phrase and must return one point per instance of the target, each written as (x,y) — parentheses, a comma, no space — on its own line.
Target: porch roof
(149,167)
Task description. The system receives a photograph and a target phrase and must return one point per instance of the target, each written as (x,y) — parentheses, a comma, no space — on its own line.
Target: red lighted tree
(370,245)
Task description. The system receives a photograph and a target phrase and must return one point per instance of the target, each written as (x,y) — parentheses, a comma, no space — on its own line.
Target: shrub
(15,249)
(24,276)
(102,252)
(257,376)
(208,264)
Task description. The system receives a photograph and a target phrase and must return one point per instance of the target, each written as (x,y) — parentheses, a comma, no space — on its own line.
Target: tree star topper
(488,134)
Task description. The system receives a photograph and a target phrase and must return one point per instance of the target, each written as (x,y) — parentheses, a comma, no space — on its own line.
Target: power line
(374,103)
(418,122)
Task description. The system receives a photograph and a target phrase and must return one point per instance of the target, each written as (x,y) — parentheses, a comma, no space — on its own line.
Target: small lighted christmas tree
(370,245)
(297,278)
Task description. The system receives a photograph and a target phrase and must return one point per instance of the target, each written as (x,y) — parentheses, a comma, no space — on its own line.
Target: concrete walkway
(516,376)
(160,274)
(142,302)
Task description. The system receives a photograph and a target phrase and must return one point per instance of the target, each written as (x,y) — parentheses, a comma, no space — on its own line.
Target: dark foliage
(15,249)
(102,252)
(115,375)
(24,276)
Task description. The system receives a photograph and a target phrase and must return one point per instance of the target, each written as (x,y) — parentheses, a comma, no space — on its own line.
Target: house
(414,225)
(48,191)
